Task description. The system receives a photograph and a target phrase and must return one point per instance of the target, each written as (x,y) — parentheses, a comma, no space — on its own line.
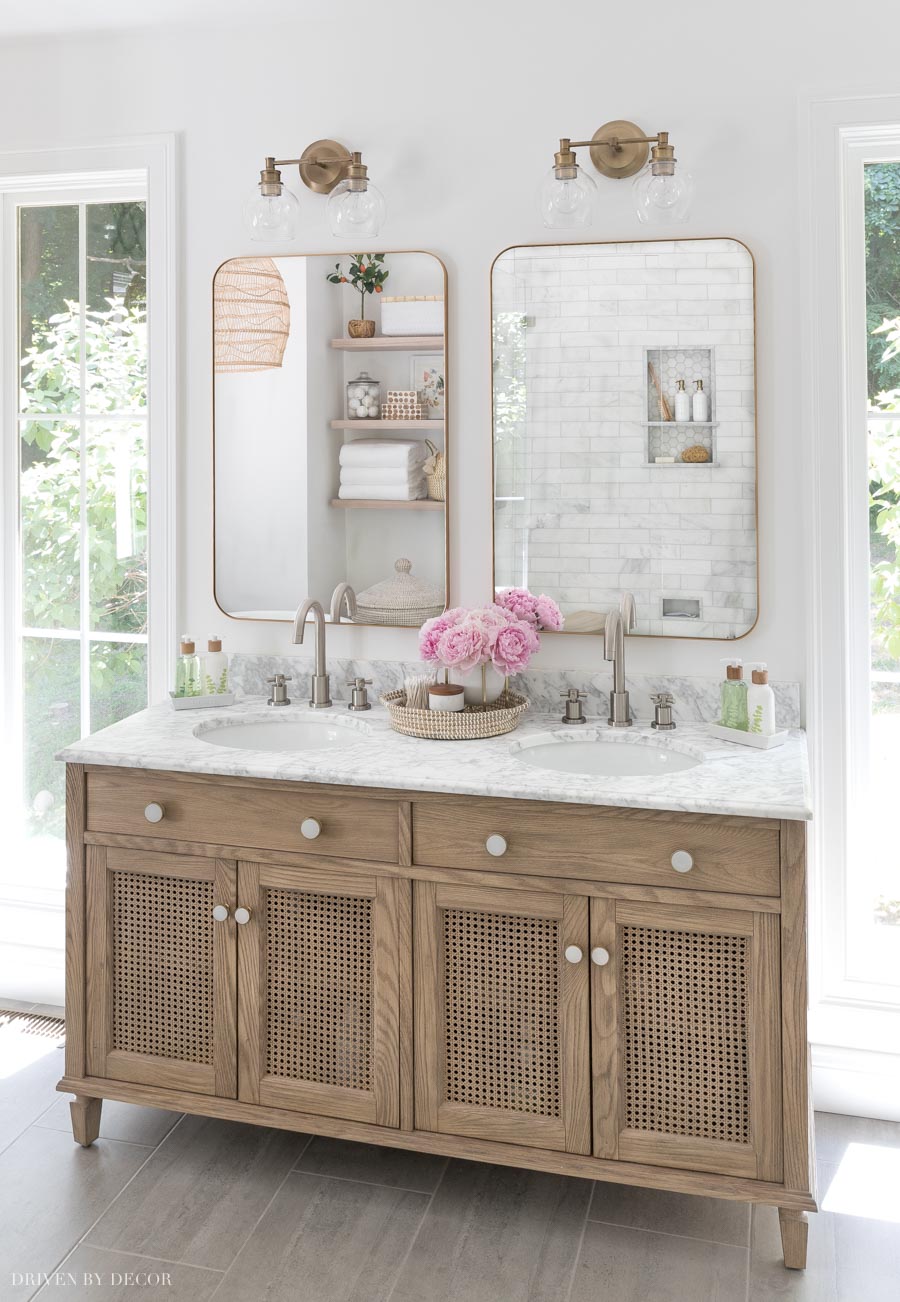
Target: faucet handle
(359,682)
(359,697)
(574,712)
(279,679)
(663,719)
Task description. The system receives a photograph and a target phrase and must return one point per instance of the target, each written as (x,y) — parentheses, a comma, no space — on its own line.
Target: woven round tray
(473,723)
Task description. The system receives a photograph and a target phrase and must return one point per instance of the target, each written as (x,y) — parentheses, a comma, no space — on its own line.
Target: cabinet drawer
(266,819)
(630,846)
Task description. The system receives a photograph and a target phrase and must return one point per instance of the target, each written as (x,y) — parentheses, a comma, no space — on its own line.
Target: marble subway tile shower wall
(593,512)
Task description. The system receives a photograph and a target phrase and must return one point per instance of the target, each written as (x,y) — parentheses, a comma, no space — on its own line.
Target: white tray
(747,738)
(201,702)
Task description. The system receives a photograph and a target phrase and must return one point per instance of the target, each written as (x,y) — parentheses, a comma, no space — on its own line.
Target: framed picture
(426,376)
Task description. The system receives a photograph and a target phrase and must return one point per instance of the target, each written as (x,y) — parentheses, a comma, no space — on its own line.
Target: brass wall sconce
(568,195)
(355,206)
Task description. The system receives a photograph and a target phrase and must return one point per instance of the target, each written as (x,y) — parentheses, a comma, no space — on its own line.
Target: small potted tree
(367,274)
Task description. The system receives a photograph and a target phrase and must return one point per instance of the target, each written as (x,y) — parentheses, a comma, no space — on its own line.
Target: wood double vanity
(612,993)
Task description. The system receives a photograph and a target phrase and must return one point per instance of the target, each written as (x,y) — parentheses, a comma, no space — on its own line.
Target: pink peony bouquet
(541,611)
(504,634)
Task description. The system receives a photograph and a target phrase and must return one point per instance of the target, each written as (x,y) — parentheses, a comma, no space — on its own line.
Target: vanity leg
(794,1231)
(85,1114)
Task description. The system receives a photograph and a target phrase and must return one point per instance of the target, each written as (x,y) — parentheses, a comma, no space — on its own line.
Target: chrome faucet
(618,623)
(320,689)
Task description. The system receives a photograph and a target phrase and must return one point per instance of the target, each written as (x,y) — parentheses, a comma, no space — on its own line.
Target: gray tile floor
(189,1209)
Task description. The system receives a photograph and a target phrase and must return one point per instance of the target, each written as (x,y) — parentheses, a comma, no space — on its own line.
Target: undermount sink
(283,734)
(604,756)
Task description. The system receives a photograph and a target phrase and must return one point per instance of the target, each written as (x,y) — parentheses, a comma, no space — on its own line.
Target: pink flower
(462,647)
(548,613)
(518,601)
(431,631)
(513,647)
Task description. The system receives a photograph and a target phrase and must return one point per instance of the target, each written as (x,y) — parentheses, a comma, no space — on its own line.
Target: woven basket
(474,723)
(437,480)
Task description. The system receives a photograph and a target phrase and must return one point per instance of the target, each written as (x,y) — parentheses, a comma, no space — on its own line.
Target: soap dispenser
(700,402)
(760,702)
(187,671)
(734,697)
(682,403)
(215,668)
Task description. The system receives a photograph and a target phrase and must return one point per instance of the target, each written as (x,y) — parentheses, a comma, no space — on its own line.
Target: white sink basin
(283,734)
(604,756)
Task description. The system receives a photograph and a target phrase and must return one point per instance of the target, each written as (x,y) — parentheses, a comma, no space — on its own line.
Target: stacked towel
(383,469)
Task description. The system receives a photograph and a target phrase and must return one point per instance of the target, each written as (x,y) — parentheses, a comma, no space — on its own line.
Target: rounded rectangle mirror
(625,432)
(329,434)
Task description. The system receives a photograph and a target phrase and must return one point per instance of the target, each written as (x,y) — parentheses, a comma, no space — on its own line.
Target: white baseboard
(856,1082)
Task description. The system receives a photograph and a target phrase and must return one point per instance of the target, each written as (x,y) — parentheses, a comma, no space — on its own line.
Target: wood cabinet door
(501,1015)
(318,1008)
(686,1038)
(161,970)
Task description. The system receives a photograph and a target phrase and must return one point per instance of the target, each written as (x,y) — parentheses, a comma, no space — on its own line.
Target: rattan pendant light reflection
(252,315)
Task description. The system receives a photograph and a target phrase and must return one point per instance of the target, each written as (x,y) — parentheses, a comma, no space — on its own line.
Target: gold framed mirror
(330,449)
(624,432)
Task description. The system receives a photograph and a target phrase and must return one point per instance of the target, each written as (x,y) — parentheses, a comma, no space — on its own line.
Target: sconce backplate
(323,164)
(621,162)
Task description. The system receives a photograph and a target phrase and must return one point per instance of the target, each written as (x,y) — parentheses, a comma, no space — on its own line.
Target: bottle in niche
(187,670)
(215,668)
(733,696)
(700,402)
(760,702)
(682,403)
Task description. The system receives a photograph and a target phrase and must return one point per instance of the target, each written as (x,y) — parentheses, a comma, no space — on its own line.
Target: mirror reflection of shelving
(283,529)
(669,439)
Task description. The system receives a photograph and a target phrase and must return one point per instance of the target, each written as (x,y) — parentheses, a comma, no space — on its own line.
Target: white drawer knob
(242,916)
(154,813)
(496,845)
(220,913)
(310,828)
(574,954)
(600,956)
(682,862)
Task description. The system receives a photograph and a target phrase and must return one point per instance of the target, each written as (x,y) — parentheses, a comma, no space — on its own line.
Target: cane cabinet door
(501,1015)
(161,970)
(318,1011)
(686,1015)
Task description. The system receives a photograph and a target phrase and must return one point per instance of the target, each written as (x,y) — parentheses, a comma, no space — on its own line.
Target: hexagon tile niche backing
(673,364)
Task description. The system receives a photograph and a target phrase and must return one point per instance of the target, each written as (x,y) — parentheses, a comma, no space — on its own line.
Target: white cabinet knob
(496,845)
(310,828)
(154,813)
(574,954)
(220,913)
(242,916)
(682,862)
(600,956)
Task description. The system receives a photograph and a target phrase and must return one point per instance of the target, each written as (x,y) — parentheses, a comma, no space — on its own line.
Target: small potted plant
(367,274)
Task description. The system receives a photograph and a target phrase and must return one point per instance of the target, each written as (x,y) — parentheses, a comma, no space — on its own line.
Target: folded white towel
(383,452)
(381,475)
(382,492)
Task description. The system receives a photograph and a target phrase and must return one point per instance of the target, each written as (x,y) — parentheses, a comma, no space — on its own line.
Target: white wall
(722,80)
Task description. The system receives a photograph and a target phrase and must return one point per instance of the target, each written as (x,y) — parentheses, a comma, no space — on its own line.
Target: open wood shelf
(393,343)
(362,424)
(378,504)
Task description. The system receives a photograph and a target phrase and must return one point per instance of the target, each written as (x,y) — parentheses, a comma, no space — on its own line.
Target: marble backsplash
(696,698)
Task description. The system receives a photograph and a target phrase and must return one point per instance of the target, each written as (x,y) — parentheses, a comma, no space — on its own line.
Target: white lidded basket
(402,601)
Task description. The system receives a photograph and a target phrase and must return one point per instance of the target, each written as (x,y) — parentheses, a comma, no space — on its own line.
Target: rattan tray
(474,723)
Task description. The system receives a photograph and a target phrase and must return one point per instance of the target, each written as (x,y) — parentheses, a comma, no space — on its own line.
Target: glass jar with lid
(363,398)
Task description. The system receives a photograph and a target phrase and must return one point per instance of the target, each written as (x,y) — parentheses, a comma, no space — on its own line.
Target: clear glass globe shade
(663,200)
(271,219)
(569,202)
(355,212)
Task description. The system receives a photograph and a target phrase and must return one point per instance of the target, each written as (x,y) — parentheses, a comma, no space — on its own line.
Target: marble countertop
(730,780)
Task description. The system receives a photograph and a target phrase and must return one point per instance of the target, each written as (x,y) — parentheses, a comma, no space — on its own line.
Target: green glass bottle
(187,669)
(734,697)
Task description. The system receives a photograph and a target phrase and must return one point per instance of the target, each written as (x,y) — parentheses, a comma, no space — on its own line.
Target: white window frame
(855,1028)
(93,174)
